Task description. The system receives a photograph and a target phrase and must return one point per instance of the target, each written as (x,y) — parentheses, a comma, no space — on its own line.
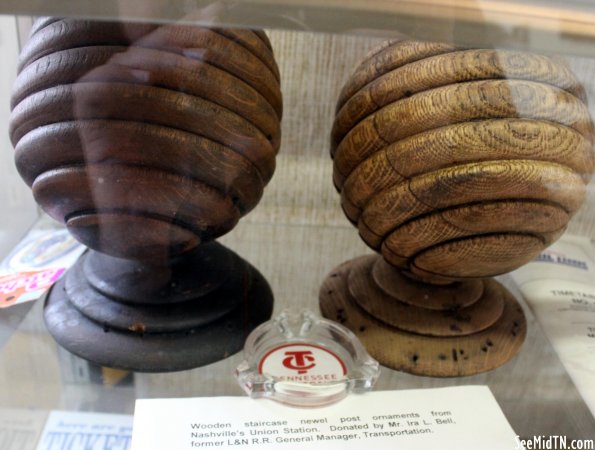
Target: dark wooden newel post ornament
(455,165)
(149,141)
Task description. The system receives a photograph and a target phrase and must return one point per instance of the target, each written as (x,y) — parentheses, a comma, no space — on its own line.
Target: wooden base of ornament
(195,310)
(459,329)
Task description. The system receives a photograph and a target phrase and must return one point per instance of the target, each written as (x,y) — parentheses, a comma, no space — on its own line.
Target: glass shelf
(552,26)
(533,389)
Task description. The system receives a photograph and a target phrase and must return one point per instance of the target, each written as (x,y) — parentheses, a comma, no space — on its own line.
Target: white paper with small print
(454,418)
(86,431)
(559,286)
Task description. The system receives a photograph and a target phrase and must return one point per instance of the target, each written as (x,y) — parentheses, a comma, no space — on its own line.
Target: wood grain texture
(66,33)
(127,234)
(141,144)
(367,180)
(457,165)
(67,192)
(98,103)
(258,45)
(193,42)
(151,67)
(205,45)
(451,296)
(455,321)
(162,337)
(388,56)
(451,68)
(470,183)
(263,37)
(463,143)
(425,355)
(463,102)
(478,256)
(313,68)
(61,67)
(123,101)
(166,148)
(544,221)
(538,140)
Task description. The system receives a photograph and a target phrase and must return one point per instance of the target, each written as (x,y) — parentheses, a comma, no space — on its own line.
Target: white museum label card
(560,288)
(86,431)
(454,418)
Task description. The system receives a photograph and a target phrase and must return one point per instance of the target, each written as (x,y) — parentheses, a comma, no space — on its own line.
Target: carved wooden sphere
(460,163)
(145,137)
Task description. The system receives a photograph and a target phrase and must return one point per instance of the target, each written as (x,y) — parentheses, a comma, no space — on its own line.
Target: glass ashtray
(305,360)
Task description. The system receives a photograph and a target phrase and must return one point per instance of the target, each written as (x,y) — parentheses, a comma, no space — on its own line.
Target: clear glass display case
(297,233)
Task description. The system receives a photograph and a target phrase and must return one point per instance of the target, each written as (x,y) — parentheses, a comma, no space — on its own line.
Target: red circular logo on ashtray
(306,363)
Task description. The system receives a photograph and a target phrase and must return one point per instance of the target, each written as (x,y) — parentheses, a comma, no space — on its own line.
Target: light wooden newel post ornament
(455,166)
(148,142)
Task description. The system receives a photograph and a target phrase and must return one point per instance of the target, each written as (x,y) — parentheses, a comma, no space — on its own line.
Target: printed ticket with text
(457,418)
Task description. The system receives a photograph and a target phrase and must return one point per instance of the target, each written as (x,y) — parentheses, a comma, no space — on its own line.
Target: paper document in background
(560,289)
(86,431)
(456,418)
(20,428)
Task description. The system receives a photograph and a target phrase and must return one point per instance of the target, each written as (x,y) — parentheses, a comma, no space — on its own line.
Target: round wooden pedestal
(194,311)
(463,328)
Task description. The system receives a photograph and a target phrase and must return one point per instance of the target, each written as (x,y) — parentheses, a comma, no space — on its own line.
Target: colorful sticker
(22,287)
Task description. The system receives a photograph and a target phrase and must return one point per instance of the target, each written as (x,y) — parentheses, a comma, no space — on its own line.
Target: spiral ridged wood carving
(454,165)
(487,148)
(123,128)
(148,141)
